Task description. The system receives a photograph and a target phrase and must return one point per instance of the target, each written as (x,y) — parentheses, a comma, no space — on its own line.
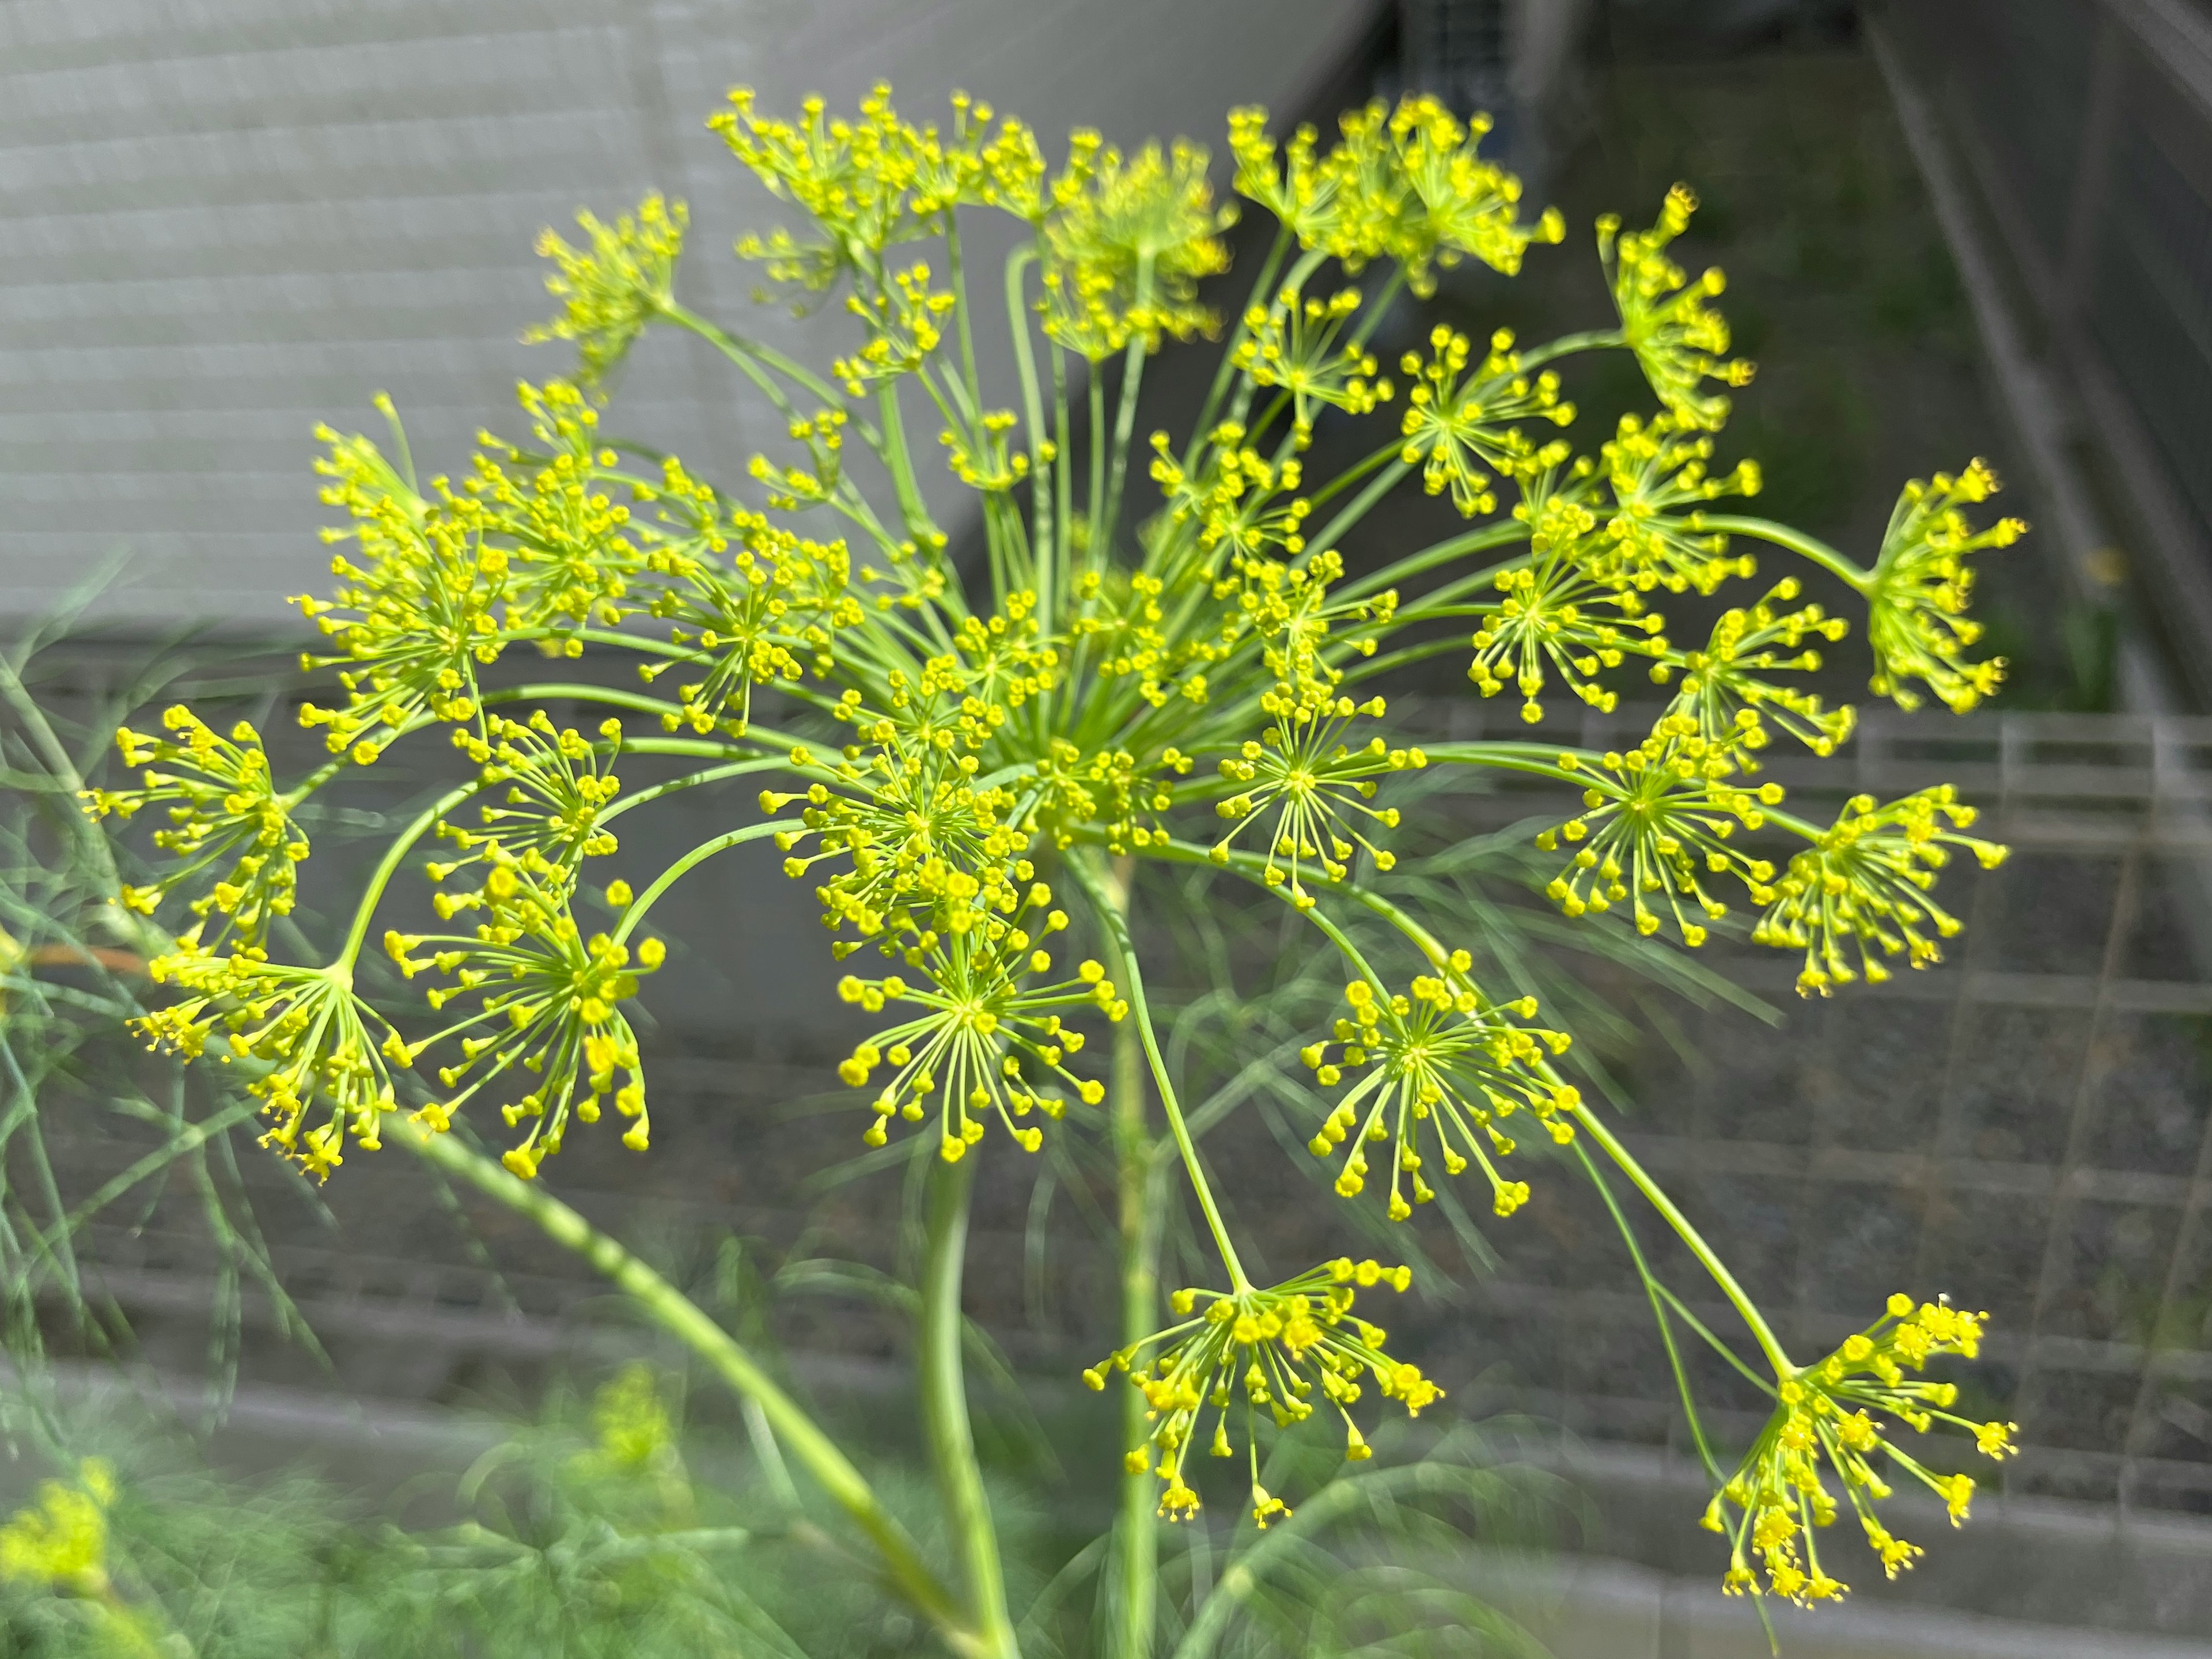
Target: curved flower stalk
(962,754)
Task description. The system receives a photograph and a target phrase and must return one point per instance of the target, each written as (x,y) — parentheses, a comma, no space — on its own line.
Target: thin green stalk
(698,855)
(1385,481)
(388,866)
(1125,417)
(905,1572)
(1651,1289)
(1136,1526)
(1117,927)
(1590,339)
(1796,541)
(1745,1309)
(945,1407)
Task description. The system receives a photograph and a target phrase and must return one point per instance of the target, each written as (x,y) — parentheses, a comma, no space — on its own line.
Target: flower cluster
(548,1002)
(225,820)
(1918,590)
(1128,241)
(1459,421)
(1239,1352)
(611,289)
(989,1042)
(1677,337)
(1309,789)
(1405,184)
(300,1035)
(1657,821)
(1722,690)
(1836,1416)
(1444,1057)
(1293,345)
(1864,884)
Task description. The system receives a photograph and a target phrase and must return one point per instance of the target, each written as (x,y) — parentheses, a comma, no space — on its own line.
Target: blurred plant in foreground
(971,761)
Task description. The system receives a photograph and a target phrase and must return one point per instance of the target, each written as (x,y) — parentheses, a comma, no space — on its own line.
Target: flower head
(1657,822)
(1836,1417)
(1865,882)
(986,1040)
(1677,337)
(1723,690)
(546,821)
(1655,469)
(1292,345)
(1458,421)
(1553,617)
(1918,590)
(62,1542)
(226,821)
(612,289)
(301,1033)
(1309,790)
(1444,1058)
(413,616)
(1239,1352)
(548,1002)
(1127,241)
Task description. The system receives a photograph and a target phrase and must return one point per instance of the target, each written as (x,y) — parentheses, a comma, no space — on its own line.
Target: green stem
(1136,1526)
(945,1407)
(904,1570)
(1796,541)
(380,877)
(698,855)
(1117,925)
(1761,1332)
(1385,481)
(1592,339)
(1125,417)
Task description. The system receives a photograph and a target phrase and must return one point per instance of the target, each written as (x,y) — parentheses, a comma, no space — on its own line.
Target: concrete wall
(222,220)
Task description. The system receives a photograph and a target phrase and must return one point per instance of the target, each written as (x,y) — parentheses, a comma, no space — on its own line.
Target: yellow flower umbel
(1659,820)
(1722,690)
(546,821)
(1239,1352)
(1656,472)
(301,1032)
(1292,345)
(764,616)
(1458,421)
(1554,616)
(987,1040)
(611,289)
(61,1544)
(1301,781)
(225,820)
(1443,1059)
(1126,243)
(1918,593)
(1865,885)
(1837,1417)
(1677,337)
(550,1005)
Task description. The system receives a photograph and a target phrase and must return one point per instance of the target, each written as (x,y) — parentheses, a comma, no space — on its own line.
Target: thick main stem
(1136,1543)
(904,1570)
(944,1409)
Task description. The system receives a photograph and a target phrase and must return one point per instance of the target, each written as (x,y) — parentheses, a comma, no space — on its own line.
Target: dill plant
(966,760)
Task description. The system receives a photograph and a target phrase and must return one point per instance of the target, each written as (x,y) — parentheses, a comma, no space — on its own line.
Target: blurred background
(1952,227)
